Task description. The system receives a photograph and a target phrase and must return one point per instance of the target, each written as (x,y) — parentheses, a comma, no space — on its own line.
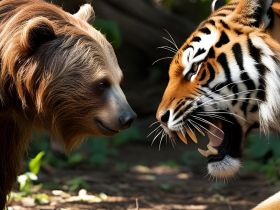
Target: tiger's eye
(195,66)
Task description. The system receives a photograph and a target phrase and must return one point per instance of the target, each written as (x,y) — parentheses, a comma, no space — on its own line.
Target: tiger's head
(224,82)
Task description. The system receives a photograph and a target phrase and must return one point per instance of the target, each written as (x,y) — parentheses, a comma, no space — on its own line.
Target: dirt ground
(152,185)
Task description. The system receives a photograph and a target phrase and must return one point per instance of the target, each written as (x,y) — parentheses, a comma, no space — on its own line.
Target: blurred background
(126,172)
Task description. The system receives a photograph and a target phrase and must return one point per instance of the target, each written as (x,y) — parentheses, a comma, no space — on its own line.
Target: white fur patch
(207,41)
(226,168)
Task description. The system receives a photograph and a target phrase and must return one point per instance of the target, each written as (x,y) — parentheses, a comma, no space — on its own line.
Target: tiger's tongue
(216,137)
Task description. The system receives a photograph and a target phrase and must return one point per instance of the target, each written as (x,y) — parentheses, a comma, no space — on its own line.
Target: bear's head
(65,73)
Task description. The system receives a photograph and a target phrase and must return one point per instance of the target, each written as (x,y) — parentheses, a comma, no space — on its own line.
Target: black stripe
(188,98)
(220,15)
(187,47)
(233,3)
(223,40)
(178,107)
(205,30)
(255,125)
(203,75)
(248,82)
(229,8)
(256,54)
(238,32)
(212,74)
(196,39)
(199,52)
(179,114)
(222,59)
(245,105)
(212,22)
(224,24)
(211,53)
(254,108)
(237,51)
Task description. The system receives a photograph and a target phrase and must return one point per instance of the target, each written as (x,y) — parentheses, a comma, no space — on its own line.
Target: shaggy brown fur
(57,73)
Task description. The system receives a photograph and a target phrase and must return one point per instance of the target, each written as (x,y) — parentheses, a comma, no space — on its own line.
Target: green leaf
(97,159)
(41,199)
(75,159)
(258,146)
(121,167)
(22,179)
(35,164)
(124,136)
(77,183)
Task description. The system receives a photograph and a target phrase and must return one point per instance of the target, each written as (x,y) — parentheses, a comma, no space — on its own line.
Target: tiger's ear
(86,13)
(216,4)
(253,12)
(37,31)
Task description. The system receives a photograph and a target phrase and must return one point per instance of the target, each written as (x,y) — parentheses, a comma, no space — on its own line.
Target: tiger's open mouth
(224,147)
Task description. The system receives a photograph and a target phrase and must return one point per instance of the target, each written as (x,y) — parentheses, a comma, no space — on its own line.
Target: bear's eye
(192,72)
(102,85)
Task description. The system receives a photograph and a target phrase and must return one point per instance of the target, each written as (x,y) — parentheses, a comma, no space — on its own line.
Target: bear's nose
(164,117)
(127,118)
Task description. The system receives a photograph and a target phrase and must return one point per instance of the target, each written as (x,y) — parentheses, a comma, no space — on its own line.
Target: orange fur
(237,15)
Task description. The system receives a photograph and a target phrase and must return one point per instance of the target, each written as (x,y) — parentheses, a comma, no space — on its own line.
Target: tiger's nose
(164,117)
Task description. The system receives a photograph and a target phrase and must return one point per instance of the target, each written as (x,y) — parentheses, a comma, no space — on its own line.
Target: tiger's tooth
(212,150)
(192,135)
(182,137)
(203,152)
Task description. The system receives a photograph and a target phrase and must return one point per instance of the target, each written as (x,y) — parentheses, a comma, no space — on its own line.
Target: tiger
(225,81)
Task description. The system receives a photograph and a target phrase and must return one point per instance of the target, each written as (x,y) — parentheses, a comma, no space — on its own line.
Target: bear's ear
(216,4)
(254,13)
(36,32)
(86,13)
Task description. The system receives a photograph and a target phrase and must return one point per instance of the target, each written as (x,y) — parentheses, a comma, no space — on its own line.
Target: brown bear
(58,74)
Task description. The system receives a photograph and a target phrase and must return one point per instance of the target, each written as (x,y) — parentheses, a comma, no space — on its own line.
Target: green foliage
(35,164)
(77,183)
(124,136)
(169,163)
(260,146)
(168,4)
(111,31)
(41,199)
(191,157)
(26,182)
(121,167)
(94,150)
(266,155)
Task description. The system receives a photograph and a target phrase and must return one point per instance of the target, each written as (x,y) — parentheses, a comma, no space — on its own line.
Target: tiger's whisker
(162,135)
(173,42)
(225,113)
(205,129)
(153,131)
(216,116)
(206,121)
(162,59)
(197,128)
(168,48)
(153,123)
(156,136)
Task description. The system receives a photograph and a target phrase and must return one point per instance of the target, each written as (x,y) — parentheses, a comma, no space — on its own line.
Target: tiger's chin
(226,168)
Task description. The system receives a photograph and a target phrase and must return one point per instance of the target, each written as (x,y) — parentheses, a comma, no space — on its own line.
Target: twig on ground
(137,205)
